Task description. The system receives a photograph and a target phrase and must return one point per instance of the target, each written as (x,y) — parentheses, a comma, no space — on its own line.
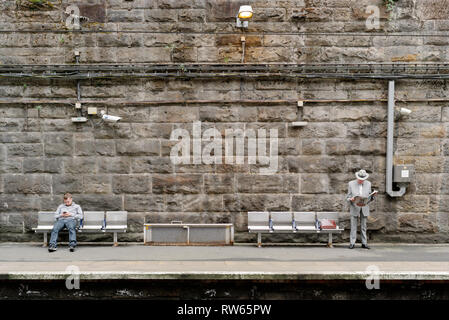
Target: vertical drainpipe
(78,84)
(390,135)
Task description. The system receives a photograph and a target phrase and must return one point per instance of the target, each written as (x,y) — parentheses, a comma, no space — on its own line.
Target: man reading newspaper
(359,196)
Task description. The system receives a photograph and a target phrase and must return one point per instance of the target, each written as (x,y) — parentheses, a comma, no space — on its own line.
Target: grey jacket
(353,191)
(74,210)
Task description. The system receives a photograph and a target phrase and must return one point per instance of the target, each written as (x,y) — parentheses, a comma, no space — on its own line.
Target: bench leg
(45,240)
(259,240)
(115,239)
(329,243)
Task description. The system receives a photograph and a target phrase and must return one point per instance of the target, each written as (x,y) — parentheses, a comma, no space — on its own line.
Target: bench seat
(282,228)
(283,221)
(306,228)
(258,228)
(93,222)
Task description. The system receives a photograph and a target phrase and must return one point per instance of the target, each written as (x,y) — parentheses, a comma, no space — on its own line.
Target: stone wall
(126,165)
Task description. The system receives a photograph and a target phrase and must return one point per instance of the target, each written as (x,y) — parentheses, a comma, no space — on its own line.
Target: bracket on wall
(300,104)
(299,123)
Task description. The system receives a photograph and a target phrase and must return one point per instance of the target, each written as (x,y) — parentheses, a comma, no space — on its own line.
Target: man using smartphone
(66,216)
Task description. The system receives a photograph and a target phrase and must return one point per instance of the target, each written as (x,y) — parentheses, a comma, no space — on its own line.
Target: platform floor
(241,261)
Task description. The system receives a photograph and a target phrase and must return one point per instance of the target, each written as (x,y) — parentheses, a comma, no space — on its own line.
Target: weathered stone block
(25,150)
(152,130)
(11,222)
(338,182)
(317,202)
(22,137)
(277,113)
(416,223)
(58,144)
(311,164)
(267,183)
(27,184)
(342,147)
(314,183)
(120,40)
(40,165)
(114,165)
(80,165)
(144,203)
(67,183)
(97,184)
(152,164)
(319,130)
(312,146)
(268,54)
(355,163)
(99,202)
(161,15)
(288,147)
(218,183)
(179,183)
(195,203)
(138,148)
(7,166)
(227,114)
(130,184)
(207,54)
(412,203)
(418,147)
(22,202)
(135,15)
(174,114)
(244,202)
(85,148)
(428,183)
(192,15)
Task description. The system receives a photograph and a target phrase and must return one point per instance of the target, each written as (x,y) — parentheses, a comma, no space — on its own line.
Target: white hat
(362,175)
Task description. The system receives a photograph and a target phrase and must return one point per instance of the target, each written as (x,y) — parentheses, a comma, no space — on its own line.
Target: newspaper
(363,201)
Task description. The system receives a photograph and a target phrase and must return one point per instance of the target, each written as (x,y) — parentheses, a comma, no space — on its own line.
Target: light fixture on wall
(405,111)
(244,15)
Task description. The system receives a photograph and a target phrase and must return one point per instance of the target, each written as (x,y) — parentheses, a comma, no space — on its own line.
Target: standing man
(66,216)
(360,187)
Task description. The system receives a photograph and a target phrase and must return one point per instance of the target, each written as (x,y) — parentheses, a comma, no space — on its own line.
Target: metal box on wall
(403,173)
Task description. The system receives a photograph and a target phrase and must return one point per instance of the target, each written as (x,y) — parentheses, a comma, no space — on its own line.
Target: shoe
(351,246)
(51,249)
(72,248)
(365,246)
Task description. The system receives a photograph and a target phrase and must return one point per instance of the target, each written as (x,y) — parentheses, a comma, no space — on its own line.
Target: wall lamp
(244,15)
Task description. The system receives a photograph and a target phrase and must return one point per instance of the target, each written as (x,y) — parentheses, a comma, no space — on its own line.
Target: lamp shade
(245,12)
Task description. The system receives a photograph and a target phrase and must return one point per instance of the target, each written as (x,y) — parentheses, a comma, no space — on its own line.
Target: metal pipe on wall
(390,134)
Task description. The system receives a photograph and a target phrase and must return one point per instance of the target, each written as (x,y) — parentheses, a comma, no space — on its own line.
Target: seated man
(66,215)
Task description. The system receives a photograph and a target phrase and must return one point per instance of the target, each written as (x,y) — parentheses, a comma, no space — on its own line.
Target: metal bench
(92,222)
(304,221)
(45,222)
(281,221)
(284,222)
(259,222)
(116,221)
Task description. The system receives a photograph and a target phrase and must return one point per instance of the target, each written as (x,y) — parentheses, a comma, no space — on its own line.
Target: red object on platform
(328,224)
